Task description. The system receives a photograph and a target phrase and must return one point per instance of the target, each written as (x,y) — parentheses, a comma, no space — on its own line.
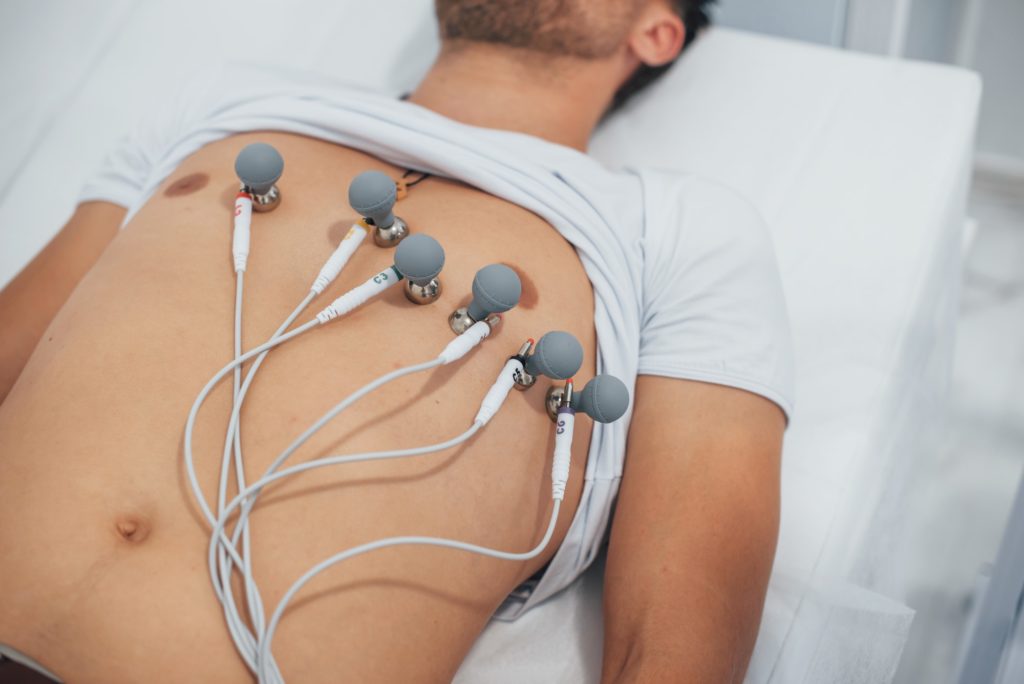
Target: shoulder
(704,237)
(703,217)
(713,303)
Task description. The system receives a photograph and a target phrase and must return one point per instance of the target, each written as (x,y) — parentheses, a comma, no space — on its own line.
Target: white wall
(984,35)
(998,53)
(816,21)
(933,30)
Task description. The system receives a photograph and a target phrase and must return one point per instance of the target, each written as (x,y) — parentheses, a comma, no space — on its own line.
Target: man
(670,281)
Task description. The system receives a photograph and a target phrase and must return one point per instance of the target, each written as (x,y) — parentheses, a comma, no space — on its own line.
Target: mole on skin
(187,185)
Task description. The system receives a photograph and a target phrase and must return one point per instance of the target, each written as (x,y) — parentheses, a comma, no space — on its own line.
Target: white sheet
(859,164)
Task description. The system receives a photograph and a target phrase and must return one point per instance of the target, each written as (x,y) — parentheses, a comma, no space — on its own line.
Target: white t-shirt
(683,269)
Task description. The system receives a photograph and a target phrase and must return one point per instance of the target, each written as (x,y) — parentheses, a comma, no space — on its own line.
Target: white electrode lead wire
(235,428)
(222,585)
(329,416)
(233,438)
(265,656)
(204,393)
(218,538)
(244,639)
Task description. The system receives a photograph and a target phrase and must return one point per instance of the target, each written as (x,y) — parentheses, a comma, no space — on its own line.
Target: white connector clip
(565,422)
(342,253)
(464,343)
(359,295)
(240,236)
(496,396)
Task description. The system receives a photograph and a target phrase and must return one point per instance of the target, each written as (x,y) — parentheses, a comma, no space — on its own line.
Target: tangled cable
(418,260)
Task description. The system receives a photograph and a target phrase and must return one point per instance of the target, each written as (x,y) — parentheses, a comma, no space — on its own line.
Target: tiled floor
(961,505)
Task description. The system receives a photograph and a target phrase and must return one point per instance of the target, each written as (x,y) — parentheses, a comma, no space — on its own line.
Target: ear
(657,36)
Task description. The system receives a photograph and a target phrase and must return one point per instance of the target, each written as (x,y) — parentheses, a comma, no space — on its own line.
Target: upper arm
(30,301)
(694,531)
(695,525)
(713,303)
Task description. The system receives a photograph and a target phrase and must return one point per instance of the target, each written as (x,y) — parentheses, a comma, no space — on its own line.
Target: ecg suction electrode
(557,354)
(259,166)
(420,259)
(373,195)
(496,289)
(605,399)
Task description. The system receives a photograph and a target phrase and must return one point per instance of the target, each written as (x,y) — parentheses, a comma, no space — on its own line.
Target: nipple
(187,185)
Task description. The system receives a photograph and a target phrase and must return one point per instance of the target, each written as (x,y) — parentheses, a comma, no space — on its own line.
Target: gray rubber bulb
(373,194)
(557,355)
(496,289)
(419,258)
(605,399)
(259,166)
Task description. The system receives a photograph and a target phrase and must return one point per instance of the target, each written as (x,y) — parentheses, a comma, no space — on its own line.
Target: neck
(560,99)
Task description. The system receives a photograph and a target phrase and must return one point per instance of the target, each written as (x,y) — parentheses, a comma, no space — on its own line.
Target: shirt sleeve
(125,172)
(713,305)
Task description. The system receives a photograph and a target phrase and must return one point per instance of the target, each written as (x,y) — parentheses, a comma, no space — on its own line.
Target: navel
(131,529)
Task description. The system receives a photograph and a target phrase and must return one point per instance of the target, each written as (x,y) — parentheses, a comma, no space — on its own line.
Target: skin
(696,521)
(36,294)
(95,423)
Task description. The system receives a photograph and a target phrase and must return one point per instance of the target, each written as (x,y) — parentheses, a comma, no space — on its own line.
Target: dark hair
(694,14)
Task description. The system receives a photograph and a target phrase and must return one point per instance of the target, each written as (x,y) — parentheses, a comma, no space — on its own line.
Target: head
(640,39)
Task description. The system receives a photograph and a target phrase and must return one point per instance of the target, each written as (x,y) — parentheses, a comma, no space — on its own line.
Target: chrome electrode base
(391,236)
(423,294)
(493,322)
(460,321)
(523,380)
(558,397)
(552,400)
(265,202)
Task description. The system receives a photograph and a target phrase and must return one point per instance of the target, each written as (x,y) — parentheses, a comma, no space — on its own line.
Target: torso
(104,573)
